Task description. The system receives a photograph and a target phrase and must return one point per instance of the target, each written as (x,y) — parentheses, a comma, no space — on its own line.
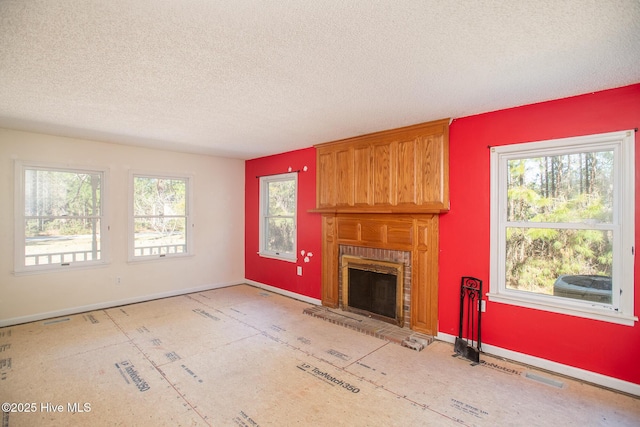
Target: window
(562,226)
(160,217)
(278,216)
(60,222)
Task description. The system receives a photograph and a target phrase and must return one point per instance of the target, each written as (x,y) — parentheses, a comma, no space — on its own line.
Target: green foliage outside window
(54,198)
(160,212)
(280,216)
(558,212)
(62,211)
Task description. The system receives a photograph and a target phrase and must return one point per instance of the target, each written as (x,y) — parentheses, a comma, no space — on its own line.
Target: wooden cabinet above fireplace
(404,170)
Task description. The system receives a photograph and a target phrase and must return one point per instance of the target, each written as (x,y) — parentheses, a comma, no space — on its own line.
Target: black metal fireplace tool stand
(470,319)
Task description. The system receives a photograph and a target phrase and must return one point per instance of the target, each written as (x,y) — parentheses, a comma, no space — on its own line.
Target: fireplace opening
(371,291)
(373,288)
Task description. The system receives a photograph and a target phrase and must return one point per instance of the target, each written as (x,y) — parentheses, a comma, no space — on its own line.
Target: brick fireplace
(409,239)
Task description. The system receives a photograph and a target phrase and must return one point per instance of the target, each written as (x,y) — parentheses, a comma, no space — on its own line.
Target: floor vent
(54,321)
(544,380)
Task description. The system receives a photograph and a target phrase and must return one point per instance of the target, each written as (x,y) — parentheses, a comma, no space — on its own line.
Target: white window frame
(264,181)
(621,310)
(20,266)
(189,224)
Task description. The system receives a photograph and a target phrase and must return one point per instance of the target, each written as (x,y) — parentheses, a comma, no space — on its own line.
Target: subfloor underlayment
(242,356)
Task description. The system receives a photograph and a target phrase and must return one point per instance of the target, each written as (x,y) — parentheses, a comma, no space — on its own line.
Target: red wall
(282,274)
(596,346)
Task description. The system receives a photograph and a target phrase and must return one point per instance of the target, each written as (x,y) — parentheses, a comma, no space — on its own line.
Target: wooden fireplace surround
(385,190)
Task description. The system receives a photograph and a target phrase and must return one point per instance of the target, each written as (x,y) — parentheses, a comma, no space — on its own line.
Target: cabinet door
(326,179)
(430,182)
(344,177)
(383,173)
(362,175)
(406,191)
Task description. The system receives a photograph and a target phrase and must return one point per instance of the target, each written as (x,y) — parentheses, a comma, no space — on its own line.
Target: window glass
(159,216)
(563,188)
(278,216)
(62,218)
(559,190)
(547,261)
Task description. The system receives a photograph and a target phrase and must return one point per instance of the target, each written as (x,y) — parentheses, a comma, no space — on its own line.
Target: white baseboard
(289,294)
(570,371)
(109,304)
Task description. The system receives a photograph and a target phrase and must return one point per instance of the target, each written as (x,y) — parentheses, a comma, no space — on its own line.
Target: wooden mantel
(385,190)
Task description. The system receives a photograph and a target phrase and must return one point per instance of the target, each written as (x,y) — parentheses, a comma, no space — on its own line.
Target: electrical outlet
(118,280)
(299,270)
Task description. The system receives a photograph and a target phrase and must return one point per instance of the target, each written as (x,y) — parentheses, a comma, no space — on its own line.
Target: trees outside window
(278,198)
(61,221)
(562,225)
(160,216)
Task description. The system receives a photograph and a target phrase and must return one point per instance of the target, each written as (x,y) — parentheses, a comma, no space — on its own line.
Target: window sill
(57,268)
(586,312)
(152,258)
(278,257)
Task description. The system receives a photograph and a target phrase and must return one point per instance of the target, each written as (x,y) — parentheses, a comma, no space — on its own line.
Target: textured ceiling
(244,79)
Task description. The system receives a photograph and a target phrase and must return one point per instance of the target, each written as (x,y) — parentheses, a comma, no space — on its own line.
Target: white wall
(218,194)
